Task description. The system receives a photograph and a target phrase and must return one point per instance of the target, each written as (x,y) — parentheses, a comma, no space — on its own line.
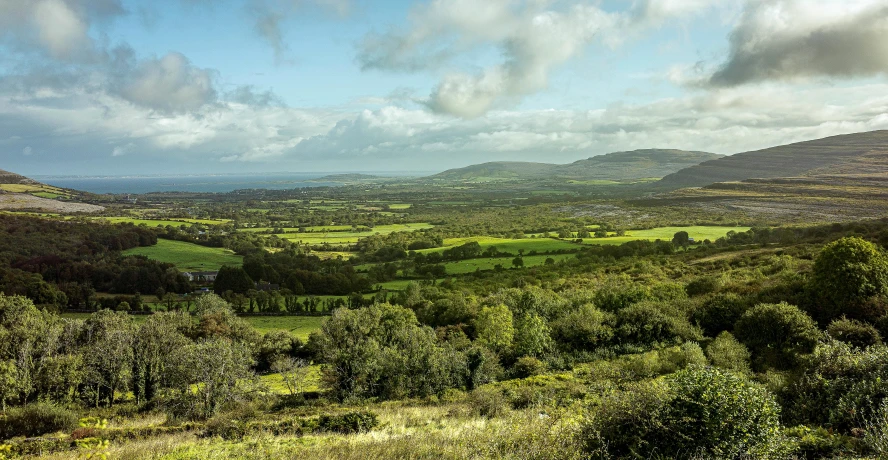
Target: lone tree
(681,239)
(518,262)
(846,273)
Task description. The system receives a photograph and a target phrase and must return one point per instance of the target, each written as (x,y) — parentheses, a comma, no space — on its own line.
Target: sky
(111,87)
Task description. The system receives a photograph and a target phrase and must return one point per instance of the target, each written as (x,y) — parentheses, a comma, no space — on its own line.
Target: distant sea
(219,183)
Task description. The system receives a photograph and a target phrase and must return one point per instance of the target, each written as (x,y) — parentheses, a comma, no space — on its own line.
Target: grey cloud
(58,28)
(170,83)
(249,95)
(786,39)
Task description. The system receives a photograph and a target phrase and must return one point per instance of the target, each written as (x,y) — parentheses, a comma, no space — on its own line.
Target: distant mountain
(846,154)
(617,166)
(497,170)
(637,164)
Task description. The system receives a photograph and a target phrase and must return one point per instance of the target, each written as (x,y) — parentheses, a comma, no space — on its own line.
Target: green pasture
(698,233)
(187,256)
(299,326)
(397,285)
(349,237)
(472,265)
(509,245)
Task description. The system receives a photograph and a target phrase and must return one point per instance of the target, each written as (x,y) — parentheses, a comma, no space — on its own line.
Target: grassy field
(187,256)
(349,237)
(311,381)
(509,245)
(397,285)
(470,266)
(299,326)
(42,191)
(698,233)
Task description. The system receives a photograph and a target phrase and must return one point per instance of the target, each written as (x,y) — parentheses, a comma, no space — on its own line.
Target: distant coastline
(204,183)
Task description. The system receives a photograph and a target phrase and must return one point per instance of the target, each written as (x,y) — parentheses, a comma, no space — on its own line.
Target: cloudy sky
(185,86)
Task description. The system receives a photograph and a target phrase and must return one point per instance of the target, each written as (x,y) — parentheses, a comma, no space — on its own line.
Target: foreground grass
(187,256)
(448,431)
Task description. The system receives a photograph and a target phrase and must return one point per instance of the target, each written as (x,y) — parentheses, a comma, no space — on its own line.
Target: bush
(727,353)
(489,402)
(648,324)
(777,334)
(352,422)
(840,386)
(36,420)
(720,313)
(855,333)
(528,366)
(848,272)
(700,411)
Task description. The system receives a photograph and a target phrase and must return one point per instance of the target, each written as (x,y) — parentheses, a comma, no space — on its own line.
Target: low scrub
(36,420)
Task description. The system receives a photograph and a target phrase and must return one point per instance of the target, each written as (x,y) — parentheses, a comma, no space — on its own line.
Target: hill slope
(617,166)
(834,153)
(18,192)
(7,177)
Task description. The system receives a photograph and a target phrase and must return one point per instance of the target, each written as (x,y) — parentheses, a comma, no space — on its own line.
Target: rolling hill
(847,154)
(617,166)
(837,178)
(18,192)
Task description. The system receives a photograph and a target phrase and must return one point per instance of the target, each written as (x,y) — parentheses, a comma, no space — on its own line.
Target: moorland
(648,304)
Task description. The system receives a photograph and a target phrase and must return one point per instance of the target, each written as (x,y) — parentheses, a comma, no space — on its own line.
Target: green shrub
(703,285)
(528,366)
(352,422)
(777,334)
(35,420)
(840,386)
(855,333)
(818,442)
(649,323)
(727,353)
(720,313)
(700,411)
(847,272)
(489,402)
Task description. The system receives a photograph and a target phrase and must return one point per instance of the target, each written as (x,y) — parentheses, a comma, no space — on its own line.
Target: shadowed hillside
(838,178)
(847,153)
(617,166)
(7,177)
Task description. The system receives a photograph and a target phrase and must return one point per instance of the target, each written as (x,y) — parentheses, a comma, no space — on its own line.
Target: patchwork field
(187,256)
(160,222)
(509,245)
